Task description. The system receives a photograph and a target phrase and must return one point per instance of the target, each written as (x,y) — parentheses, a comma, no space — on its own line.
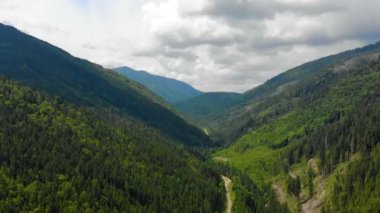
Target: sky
(214,45)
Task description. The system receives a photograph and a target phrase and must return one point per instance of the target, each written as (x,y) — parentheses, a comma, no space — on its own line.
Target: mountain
(43,66)
(248,111)
(313,133)
(75,137)
(58,157)
(170,90)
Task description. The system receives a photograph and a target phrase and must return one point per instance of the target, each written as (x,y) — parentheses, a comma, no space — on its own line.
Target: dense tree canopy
(317,135)
(56,157)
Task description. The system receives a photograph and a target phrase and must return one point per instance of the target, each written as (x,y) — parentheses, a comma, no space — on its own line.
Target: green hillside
(171,90)
(313,133)
(41,65)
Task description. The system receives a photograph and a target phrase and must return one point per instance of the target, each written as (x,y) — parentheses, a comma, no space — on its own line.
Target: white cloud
(213,44)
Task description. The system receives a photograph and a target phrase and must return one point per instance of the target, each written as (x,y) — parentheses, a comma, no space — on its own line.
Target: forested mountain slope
(41,65)
(56,157)
(170,90)
(208,107)
(80,138)
(275,97)
(316,137)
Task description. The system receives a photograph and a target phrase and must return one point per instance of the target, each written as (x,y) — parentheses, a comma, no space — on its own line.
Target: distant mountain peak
(171,90)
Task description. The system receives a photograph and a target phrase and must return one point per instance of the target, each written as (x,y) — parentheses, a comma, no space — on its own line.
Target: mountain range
(76,137)
(240,112)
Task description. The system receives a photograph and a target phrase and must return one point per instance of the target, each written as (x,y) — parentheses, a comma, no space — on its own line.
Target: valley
(297,136)
(78,137)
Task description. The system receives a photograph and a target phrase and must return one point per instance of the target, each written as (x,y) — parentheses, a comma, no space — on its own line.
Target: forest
(57,157)
(318,139)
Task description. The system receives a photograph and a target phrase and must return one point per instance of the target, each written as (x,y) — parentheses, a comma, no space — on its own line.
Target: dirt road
(227,183)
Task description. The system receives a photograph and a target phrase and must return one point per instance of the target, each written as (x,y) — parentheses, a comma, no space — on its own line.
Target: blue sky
(81,3)
(215,45)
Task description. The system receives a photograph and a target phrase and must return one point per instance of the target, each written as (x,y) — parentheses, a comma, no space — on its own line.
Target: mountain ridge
(240,113)
(169,89)
(39,64)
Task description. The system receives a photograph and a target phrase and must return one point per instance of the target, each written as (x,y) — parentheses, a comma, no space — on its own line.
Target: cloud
(215,45)
(240,44)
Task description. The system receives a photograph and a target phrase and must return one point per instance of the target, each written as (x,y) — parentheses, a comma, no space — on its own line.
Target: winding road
(227,184)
